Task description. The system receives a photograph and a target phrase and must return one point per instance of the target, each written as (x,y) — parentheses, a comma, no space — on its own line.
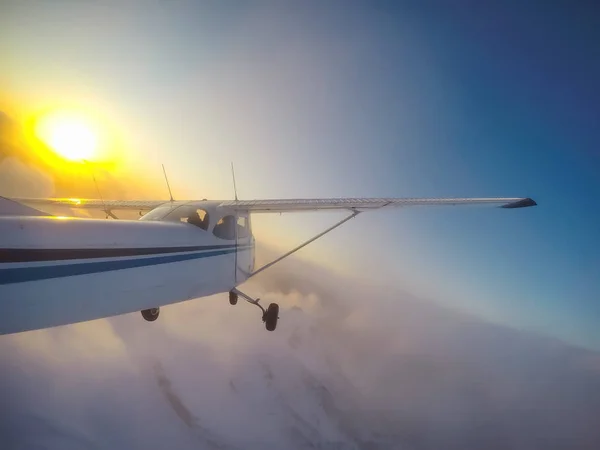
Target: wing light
(523,203)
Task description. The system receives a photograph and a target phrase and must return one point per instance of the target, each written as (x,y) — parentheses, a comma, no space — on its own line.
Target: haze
(423,328)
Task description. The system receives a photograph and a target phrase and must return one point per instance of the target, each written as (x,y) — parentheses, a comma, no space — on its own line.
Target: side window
(242,227)
(198,217)
(225,228)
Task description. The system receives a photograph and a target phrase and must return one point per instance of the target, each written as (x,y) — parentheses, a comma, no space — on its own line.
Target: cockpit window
(225,228)
(198,217)
(183,213)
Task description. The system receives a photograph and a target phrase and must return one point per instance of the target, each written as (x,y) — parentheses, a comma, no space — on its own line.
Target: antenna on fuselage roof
(234,187)
(167,180)
(235,265)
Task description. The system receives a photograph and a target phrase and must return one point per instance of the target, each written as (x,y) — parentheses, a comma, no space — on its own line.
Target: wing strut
(331,228)
(270,315)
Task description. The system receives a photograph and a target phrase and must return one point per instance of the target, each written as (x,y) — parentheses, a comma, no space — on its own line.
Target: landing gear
(150,314)
(270,316)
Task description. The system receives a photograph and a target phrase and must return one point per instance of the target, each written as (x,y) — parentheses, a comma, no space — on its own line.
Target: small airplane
(62,270)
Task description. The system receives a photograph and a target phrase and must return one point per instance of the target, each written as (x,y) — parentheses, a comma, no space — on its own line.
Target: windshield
(157,213)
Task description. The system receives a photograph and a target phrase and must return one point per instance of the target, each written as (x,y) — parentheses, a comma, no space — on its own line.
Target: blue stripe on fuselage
(13,255)
(23,274)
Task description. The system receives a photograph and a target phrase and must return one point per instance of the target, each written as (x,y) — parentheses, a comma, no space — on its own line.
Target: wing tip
(523,203)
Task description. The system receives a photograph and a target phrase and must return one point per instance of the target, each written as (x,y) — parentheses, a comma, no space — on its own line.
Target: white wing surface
(285,205)
(136,205)
(364,204)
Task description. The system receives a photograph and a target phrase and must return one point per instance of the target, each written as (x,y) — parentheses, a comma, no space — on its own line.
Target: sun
(69,135)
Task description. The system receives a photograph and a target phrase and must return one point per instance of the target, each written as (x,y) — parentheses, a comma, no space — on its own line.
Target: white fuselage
(55,271)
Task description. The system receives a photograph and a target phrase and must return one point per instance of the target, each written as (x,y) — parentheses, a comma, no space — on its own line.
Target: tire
(271,317)
(233,298)
(150,315)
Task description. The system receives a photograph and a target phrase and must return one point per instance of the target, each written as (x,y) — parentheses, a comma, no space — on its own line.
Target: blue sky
(358,99)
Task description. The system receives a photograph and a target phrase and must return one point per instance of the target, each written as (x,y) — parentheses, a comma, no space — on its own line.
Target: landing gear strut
(270,316)
(150,314)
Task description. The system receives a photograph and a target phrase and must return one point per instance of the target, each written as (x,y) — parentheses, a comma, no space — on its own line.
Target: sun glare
(69,135)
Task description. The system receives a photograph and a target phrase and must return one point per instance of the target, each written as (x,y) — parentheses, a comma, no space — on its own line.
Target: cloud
(350,365)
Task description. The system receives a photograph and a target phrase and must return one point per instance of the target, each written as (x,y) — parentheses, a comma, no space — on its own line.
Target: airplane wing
(105,205)
(365,204)
(285,205)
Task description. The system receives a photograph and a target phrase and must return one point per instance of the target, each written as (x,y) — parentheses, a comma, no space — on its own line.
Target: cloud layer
(350,366)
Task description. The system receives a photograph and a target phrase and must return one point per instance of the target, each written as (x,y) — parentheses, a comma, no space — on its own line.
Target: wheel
(271,316)
(151,314)
(233,298)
